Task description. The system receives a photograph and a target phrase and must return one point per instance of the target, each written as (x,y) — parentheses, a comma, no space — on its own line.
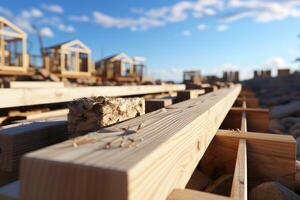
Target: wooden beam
(239,190)
(186,194)
(35,96)
(265,162)
(165,150)
(16,140)
(155,104)
(35,84)
(189,94)
(257,118)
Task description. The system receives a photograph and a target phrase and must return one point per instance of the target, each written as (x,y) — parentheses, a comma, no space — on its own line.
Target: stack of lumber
(176,152)
(91,114)
(124,159)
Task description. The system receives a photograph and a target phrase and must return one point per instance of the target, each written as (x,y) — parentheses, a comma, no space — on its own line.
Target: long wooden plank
(163,156)
(35,84)
(49,114)
(35,96)
(239,182)
(186,194)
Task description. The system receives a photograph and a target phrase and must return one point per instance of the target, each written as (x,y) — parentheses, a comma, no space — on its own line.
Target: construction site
(75,129)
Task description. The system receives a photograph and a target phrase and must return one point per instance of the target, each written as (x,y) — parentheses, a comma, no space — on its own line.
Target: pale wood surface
(35,84)
(239,183)
(174,140)
(186,194)
(34,96)
(49,114)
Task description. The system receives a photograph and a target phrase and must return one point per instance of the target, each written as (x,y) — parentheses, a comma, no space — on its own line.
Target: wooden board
(239,189)
(35,96)
(257,118)
(155,104)
(173,141)
(251,102)
(189,94)
(49,114)
(186,194)
(270,157)
(16,140)
(35,84)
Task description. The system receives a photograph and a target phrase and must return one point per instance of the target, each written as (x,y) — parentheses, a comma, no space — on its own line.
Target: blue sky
(174,35)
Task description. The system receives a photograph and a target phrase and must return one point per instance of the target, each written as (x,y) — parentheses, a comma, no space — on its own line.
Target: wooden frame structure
(70,59)
(183,130)
(166,146)
(249,156)
(121,68)
(13,52)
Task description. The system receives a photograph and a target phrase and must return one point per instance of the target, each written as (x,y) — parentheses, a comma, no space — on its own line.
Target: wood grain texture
(16,140)
(35,84)
(35,96)
(239,184)
(270,157)
(186,194)
(174,140)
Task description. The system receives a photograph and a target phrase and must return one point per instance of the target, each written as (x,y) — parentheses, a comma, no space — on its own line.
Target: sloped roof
(68,43)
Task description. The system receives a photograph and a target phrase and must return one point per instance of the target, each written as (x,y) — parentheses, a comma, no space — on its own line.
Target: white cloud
(178,11)
(186,33)
(263,11)
(34,12)
(47,32)
(135,24)
(53,8)
(174,74)
(66,28)
(80,18)
(160,16)
(222,28)
(22,22)
(201,27)
(275,62)
(156,13)
(53,21)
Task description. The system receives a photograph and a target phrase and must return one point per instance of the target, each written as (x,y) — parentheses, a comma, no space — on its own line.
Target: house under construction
(121,68)
(71,59)
(13,55)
